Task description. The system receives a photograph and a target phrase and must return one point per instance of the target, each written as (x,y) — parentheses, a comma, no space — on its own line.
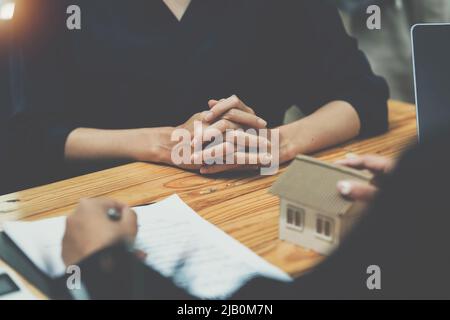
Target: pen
(144,205)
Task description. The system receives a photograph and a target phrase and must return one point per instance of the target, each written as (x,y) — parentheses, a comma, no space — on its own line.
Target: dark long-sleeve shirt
(405,234)
(133,64)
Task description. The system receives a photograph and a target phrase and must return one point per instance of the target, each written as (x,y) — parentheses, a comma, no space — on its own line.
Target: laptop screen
(431,46)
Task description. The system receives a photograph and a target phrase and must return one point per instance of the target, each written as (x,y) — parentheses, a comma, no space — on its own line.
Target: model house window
(324,228)
(295,217)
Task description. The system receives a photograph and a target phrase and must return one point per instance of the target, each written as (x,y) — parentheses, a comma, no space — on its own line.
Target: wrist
(290,141)
(151,144)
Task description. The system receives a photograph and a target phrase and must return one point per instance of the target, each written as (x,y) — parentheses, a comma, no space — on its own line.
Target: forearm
(97,144)
(334,123)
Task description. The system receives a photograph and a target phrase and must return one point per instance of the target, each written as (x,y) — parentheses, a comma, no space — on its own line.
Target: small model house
(313,214)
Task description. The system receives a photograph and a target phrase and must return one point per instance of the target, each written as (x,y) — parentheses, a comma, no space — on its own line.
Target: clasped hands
(221,140)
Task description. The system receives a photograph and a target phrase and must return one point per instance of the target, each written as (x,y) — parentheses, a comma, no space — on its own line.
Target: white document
(180,244)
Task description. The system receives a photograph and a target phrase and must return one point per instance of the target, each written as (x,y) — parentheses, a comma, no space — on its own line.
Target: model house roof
(312,183)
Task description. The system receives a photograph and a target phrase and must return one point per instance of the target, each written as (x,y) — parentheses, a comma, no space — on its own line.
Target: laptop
(431,59)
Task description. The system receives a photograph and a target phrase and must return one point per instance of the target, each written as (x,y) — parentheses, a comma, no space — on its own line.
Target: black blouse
(133,64)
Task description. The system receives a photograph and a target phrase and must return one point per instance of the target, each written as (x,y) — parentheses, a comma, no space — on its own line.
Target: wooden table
(238,204)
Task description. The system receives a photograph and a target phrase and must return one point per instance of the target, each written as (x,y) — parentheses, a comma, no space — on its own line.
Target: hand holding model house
(320,202)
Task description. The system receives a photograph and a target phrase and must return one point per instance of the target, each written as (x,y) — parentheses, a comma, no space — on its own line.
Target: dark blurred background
(6,90)
(6,13)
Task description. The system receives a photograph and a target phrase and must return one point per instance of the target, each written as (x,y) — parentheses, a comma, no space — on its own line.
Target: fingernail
(351,155)
(344,187)
(209,116)
(262,122)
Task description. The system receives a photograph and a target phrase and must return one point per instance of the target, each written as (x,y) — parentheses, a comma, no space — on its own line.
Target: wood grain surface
(239,204)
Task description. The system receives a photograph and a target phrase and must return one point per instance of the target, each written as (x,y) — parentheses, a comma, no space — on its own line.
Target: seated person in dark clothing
(117,89)
(404,233)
